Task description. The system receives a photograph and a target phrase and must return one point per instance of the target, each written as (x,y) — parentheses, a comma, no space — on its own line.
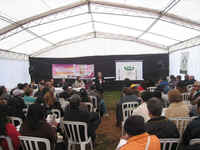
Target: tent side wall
(14,69)
(193,65)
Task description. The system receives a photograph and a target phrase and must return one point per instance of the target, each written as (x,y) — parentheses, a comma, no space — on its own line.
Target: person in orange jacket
(136,137)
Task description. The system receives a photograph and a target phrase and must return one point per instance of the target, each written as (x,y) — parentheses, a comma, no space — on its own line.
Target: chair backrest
(16,121)
(94,102)
(29,143)
(186,96)
(89,106)
(195,141)
(75,131)
(128,108)
(56,112)
(169,144)
(151,89)
(9,142)
(181,123)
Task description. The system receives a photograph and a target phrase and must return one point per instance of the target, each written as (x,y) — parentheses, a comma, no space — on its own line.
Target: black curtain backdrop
(155,66)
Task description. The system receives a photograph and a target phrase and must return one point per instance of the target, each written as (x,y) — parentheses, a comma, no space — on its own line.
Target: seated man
(192,131)
(159,125)
(76,114)
(79,83)
(136,137)
(129,95)
(66,92)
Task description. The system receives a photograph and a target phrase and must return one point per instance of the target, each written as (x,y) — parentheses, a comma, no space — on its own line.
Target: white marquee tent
(76,28)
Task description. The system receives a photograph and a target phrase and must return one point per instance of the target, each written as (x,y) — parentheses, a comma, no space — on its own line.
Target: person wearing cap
(75,113)
(138,87)
(136,136)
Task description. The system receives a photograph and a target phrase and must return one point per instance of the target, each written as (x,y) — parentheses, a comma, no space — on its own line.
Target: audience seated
(67,93)
(2,97)
(159,125)
(163,86)
(187,80)
(192,131)
(137,138)
(7,129)
(128,95)
(75,113)
(172,82)
(142,109)
(177,107)
(40,88)
(28,98)
(35,125)
(79,83)
(84,96)
(195,93)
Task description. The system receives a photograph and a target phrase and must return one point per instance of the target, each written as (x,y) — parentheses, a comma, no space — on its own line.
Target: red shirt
(13,134)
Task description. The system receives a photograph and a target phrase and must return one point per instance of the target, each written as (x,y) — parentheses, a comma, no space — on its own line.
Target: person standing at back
(136,136)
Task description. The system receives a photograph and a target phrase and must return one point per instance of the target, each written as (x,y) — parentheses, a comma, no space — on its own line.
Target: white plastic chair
(151,89)
(15,120)
(9,142)
(186,98)
(127,111)
(28,143)
(72,131)
(195,141)
(56,112)
(95,103)
(89,106)
(169,144)
(181,123)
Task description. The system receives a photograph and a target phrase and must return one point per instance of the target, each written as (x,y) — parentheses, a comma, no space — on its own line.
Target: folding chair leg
(82,146)
(69,146)
(91,145)
(73,147)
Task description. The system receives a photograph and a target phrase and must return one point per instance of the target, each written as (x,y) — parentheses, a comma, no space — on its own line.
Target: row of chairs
(129,107)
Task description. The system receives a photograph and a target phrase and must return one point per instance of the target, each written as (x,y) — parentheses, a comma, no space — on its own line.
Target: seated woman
(28,96)
(35,125)
(84,96)
(79,83)
(177,108)
(7,129)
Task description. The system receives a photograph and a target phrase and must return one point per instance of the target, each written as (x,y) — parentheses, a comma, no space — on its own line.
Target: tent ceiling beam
(65,42)
(42,15)
(148,11)
(99,35)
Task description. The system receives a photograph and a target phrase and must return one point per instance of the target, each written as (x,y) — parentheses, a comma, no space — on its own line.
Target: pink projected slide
(72,71)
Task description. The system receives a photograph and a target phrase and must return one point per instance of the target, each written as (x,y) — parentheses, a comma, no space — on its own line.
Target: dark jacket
(65,95)
(99,85)
(192,131)
(16,105)
(45,131)
(162,128)
(91,119)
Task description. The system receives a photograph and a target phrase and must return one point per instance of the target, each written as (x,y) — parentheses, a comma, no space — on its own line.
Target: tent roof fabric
(38,26)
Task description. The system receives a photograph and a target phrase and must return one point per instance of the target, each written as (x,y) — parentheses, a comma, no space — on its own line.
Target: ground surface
(108,134)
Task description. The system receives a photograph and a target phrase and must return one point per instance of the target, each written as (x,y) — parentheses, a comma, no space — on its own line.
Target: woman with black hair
(7,129)
(35,125)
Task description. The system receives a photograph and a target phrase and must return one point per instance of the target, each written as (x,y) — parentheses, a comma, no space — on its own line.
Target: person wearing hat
(136,136)
(138,87)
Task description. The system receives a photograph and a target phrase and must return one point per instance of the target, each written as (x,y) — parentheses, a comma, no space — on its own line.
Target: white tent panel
(193,62)
(14,40)
(98,46)
(155,4)
(174,31)
(132,22)
(116,30)
(21,9)
(31,46)
(3,24)
(61,24)
(69,33)
(158,39)
(188,9)
(58,3)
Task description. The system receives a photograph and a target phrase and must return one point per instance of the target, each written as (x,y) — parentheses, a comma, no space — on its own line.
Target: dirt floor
(108,134)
